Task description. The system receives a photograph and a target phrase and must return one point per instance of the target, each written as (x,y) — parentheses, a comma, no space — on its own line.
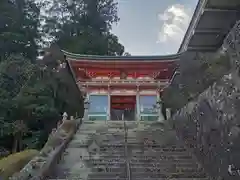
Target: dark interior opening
(123,107)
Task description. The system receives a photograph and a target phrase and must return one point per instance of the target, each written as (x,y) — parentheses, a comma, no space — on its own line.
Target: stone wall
(210,125)
(193,78)
(41,166)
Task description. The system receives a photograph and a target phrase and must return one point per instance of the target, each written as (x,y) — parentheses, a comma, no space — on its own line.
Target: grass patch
(15,162)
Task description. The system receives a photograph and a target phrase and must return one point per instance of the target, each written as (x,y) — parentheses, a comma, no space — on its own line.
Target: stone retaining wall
(210,126)
(42,165)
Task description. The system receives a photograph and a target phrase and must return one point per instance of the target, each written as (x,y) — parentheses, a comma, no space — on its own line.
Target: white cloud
(175,21)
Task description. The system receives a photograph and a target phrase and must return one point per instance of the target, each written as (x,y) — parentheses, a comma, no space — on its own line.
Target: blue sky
(153,27)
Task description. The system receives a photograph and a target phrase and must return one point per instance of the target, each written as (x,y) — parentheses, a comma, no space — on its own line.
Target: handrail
(126,148)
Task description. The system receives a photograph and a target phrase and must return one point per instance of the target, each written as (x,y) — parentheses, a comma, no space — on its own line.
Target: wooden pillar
(138,104)
(109,104)
(159,105)
(86,108)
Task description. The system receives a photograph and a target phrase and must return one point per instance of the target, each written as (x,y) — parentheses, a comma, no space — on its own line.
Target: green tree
(83,26)
(33,98)
(34,95)
(14,73)
(19,22)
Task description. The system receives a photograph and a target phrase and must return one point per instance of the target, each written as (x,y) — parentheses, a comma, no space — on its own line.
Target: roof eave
(79,57)
(193,22)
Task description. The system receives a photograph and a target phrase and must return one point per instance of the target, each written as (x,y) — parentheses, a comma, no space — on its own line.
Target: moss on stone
(15,162)
(68,126)
(56,139)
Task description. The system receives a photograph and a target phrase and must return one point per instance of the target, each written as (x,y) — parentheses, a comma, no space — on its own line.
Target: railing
(126,148)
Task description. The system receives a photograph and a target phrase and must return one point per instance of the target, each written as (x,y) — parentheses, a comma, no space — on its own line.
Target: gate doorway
(123,106)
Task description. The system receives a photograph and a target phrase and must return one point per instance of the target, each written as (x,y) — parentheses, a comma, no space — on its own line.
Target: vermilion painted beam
(124,87)
(121,65)
(127,70)
(121,62)
(129,73)
(129,67)
(137,72)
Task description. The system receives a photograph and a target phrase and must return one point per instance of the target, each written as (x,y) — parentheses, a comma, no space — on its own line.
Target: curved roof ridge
(100,57)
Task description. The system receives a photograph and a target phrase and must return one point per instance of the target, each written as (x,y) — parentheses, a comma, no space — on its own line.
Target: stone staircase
(126,151)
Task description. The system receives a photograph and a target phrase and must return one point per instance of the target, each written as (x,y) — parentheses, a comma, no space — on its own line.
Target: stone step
(116,141)
(159,169)
(86,131)
(161,156)
(157,149)
(160,164)
(109,165)
(148,178)
(158,158)
(150,153)
(111,151)
(100,134)
(140,164)
(106,161)
(104,176)
(166,167)
(145,170)
(120,163)
(171,162)
(138,179)
(168,175)
(85,143)
(179,162)
(71,175)
(109,170)
(162,161)
(108,130)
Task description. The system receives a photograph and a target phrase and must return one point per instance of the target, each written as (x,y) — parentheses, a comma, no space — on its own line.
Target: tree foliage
(19,22)
(33,98)
(33,95)
(83,26)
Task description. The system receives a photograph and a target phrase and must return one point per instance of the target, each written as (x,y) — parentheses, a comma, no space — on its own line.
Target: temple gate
(122,86)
